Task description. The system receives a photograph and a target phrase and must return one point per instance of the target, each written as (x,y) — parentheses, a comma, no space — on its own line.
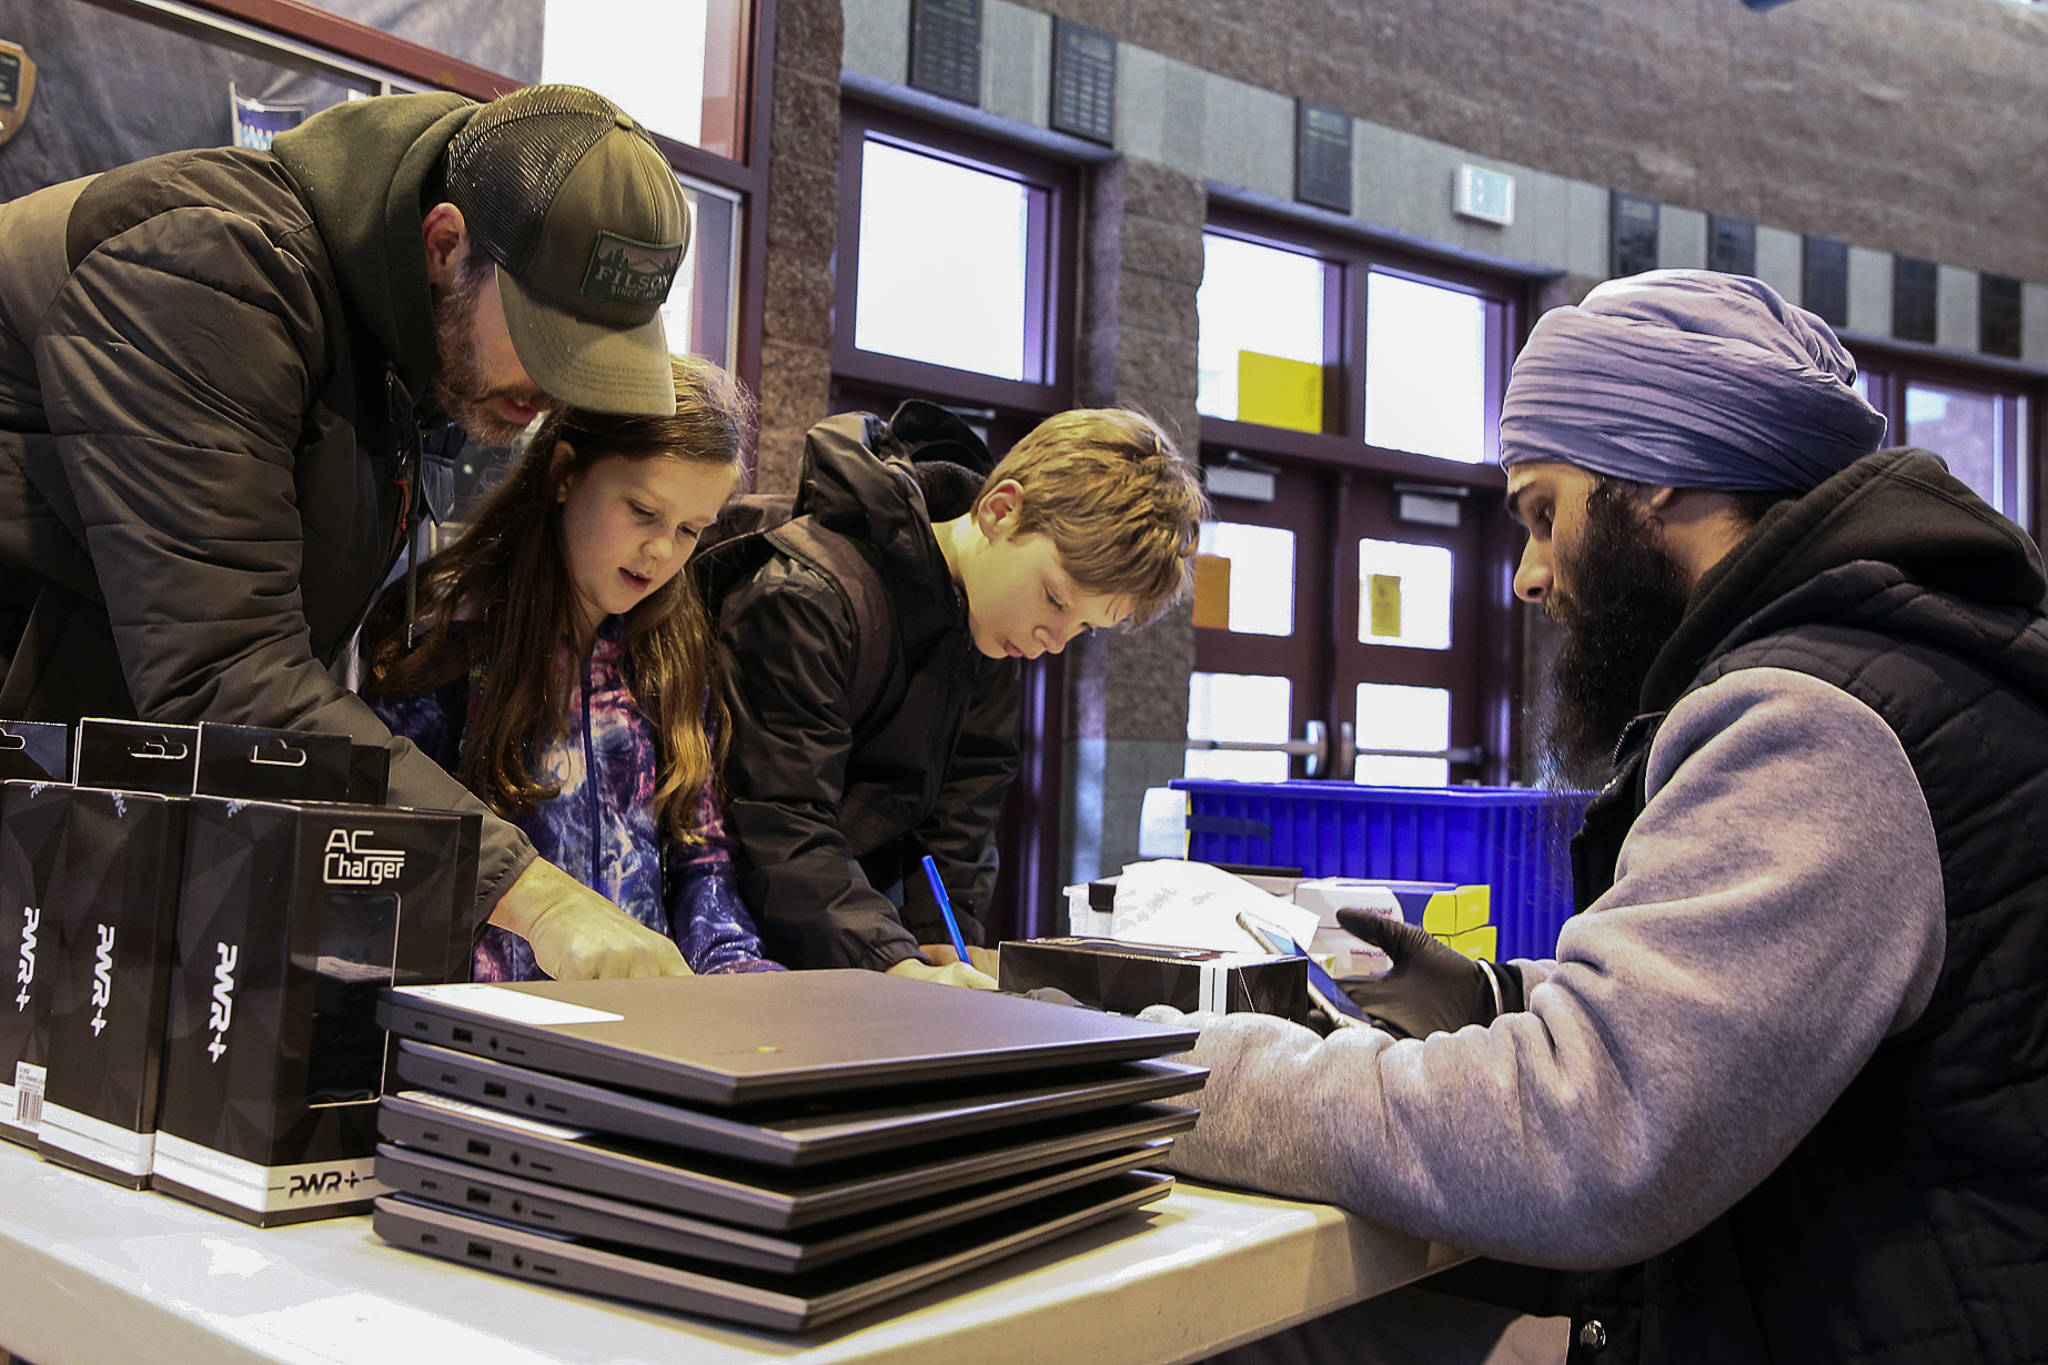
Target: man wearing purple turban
(1782,1094)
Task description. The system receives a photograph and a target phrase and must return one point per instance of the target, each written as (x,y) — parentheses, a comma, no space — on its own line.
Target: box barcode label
(28,1094)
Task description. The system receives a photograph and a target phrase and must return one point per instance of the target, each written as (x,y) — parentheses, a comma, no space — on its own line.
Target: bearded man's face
(478,379)
(1600,568)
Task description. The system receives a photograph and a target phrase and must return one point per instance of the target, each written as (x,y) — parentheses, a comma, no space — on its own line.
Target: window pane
(1425,369)
(943,263)
(1240,706)
(1404,594)
(1261,575)
(1396,717)
(698,316)
(647,58)
(1969,431)
(1381,770)
(672,64)
(117,85)
(1253,298)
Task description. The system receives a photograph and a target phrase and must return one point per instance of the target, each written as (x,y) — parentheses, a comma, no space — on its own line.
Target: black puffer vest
(1911,1225)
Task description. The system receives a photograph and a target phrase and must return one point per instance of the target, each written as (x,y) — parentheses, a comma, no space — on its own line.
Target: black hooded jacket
(209,362)
(832,811)
(1910,1225)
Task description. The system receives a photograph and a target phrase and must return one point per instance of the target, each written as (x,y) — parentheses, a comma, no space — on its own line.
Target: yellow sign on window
(1212,591)
(1277,392)
(1383,604)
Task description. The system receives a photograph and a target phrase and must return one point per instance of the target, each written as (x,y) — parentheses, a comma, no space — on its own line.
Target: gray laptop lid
(766,1035)
(750,1195)
(796,1132)
(554,1209)
(784,1303)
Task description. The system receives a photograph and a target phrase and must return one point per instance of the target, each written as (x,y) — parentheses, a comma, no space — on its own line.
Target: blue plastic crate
(1514,839)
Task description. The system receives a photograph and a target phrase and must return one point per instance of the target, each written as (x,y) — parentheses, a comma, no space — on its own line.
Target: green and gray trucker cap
(583,216)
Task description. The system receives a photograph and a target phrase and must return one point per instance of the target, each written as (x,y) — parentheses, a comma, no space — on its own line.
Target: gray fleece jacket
(1776,914)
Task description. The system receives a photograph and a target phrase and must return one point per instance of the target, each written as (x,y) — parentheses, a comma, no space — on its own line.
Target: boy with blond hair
(871,654)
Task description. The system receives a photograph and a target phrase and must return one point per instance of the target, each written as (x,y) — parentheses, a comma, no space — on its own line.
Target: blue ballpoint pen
(931,872)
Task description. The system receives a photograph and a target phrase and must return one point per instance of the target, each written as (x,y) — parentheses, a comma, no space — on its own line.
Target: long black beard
(1628,595)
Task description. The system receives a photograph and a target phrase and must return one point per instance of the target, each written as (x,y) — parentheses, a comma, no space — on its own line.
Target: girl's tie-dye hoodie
(601,827)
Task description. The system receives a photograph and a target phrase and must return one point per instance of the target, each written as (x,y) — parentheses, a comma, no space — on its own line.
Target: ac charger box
(1128,977)
(35,750)
(33,816)
(114,906)
(112,901)
(294,916)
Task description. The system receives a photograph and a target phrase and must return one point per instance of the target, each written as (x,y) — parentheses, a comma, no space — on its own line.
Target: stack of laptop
(775,1149)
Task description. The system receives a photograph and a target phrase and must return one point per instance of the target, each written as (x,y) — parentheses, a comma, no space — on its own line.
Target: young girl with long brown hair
(561,665)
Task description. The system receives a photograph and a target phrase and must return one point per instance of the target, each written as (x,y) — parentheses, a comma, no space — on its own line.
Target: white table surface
(93,1273)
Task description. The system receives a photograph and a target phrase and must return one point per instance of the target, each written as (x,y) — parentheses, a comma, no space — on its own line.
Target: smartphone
(1322,987)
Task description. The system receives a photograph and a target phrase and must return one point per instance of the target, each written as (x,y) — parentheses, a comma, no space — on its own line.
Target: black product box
(35,750)
(113,901)
(136,756)
(290,765)
(1128,977)
(369,774)
(114,904)
(110,907)
(33,816)
(294,918)
(272,765)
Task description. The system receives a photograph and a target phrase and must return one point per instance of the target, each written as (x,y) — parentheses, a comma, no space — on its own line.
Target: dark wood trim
(730,46)
(747,174)
(1346,452)
(1340,624)
(709,167)
(961,386)
(310,24)
(1049,341)
(1286,221)
(938,111)
(1500,648)
(758,69)
(1027,900)
(1250,216)
(1891,368)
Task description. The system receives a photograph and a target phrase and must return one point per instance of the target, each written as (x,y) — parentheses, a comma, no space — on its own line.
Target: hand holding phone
(1322,987)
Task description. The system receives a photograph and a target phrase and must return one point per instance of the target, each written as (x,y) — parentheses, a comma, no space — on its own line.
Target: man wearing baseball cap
(1779,1093)
(215,371)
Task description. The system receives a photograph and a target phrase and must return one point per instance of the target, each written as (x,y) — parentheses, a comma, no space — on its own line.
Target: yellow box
(1476,943)
(1212,592)
(1277,392)
(1459,911)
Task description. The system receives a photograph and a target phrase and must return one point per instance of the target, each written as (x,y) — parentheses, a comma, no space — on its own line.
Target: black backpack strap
(874,619)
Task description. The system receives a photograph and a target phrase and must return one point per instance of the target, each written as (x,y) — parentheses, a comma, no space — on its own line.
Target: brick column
(1127,693)
(803,226)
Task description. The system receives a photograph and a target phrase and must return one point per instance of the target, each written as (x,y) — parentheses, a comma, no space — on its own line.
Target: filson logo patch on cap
(636,274)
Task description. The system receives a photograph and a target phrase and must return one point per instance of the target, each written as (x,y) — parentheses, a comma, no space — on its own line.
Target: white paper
(1327,895)
(521,1008)
(1194,905)
(1163,824)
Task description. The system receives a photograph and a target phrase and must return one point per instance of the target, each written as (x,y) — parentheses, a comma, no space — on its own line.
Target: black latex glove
(1431,988)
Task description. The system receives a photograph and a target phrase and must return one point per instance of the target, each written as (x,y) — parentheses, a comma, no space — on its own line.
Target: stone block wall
(1127,691)
(803,228)
(1910,126)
